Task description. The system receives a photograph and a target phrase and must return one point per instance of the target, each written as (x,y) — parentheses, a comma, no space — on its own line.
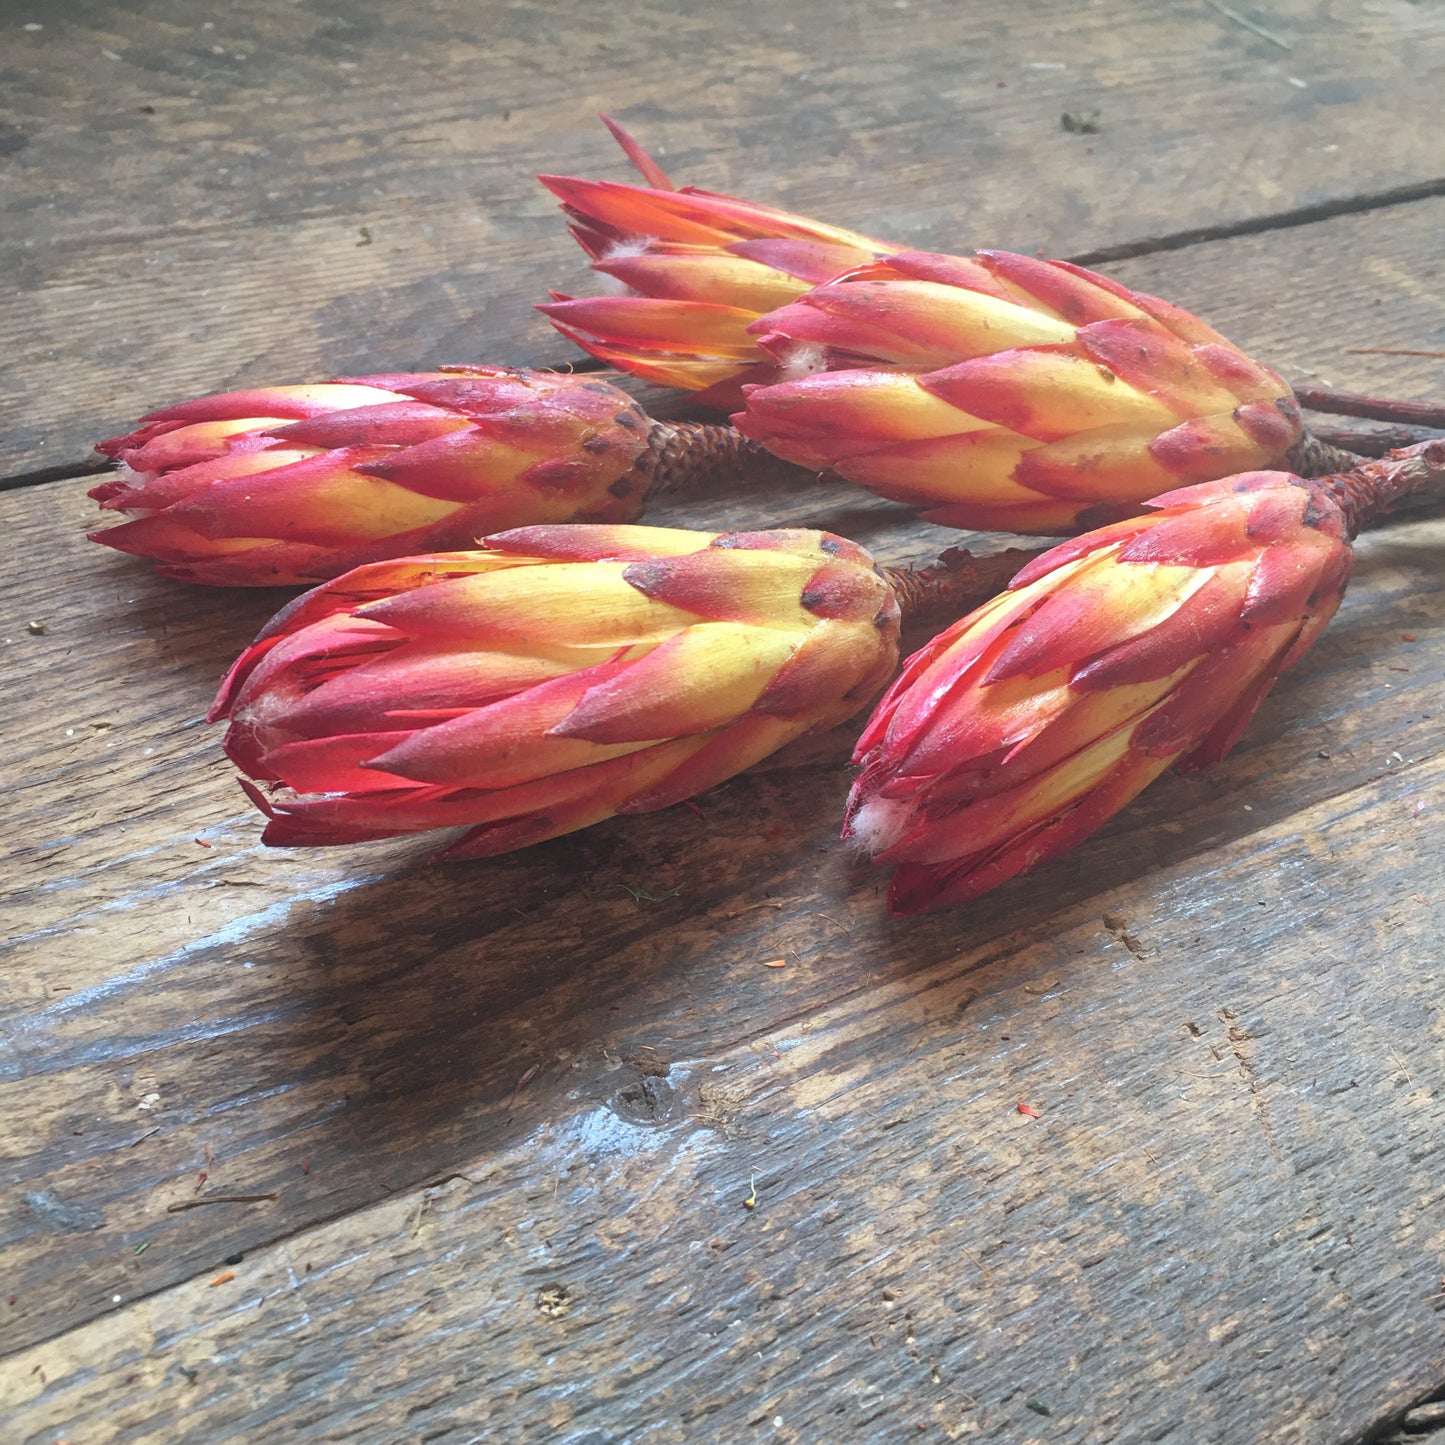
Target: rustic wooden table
(510,1112)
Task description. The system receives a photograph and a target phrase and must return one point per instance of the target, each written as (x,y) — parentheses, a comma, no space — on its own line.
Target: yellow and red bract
(1006,393)
(1019,730)
(697,270)
(288,485)
(556,677)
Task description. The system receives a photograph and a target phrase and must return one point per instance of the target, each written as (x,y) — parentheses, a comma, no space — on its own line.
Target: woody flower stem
(682,454)
(1372,441)
(956,582)
(1372,489)
(1375,408)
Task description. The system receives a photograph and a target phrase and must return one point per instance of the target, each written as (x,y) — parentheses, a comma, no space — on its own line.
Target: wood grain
(274,193)
(1232,1186)
(511,1110)
(366,1017)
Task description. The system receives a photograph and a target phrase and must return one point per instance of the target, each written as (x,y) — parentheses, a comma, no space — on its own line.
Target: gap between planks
(1125,251)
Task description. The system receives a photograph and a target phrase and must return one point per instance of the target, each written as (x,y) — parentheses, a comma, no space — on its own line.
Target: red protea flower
(696,269)
(292,484)
(1018,731)
(554,678)
(1007,393)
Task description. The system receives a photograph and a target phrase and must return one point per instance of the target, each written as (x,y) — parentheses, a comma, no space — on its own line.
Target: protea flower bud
(555,678)
(293,484)
(1011,394)
(697,269)
(1018,731)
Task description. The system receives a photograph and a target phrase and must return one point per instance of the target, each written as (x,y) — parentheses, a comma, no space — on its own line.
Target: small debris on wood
(222,1199)
(201,843)
(1408,637)
(1117,926)
(1080,122)
(751,1202)
(644,895)
(365,233)
(649,1061)
(1418,808)
(525,1079)
(1028,1109)
(36,628)
(1230,13)
(1037,1406)
(141,1248)
(775,963)
(554,1301)
(225,1277)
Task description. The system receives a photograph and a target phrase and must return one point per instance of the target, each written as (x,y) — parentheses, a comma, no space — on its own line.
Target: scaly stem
(1371,489)
(687,453)
(1375,408)
(956,582)
(1313,456)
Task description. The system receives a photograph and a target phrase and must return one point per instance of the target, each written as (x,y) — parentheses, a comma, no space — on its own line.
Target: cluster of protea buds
(554,678)
(565,673)
(294,484)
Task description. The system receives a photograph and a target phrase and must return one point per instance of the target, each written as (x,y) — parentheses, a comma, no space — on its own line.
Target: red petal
(960,271)
(1208,447)
(1205,623)
(1072,293)
(1208,536)
(334,764)
(1142,353)
(395,423)
(811,261)
(1274,429)
(1219,697)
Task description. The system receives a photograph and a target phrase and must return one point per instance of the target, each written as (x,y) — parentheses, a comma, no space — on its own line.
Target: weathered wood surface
(1233,1189)
(198,201)
(1227,1223)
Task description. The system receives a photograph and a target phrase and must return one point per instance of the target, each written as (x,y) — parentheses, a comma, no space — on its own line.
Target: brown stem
(1312,456)
(1371,441)
(1376,408)
(687,453)
(957,581)
(1371,489)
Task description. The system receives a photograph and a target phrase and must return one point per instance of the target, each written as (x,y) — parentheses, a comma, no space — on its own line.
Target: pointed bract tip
(651,172)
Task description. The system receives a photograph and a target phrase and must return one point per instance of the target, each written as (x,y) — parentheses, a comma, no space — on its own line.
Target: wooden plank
(278,194)
(1225,1223)
(343,1024)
